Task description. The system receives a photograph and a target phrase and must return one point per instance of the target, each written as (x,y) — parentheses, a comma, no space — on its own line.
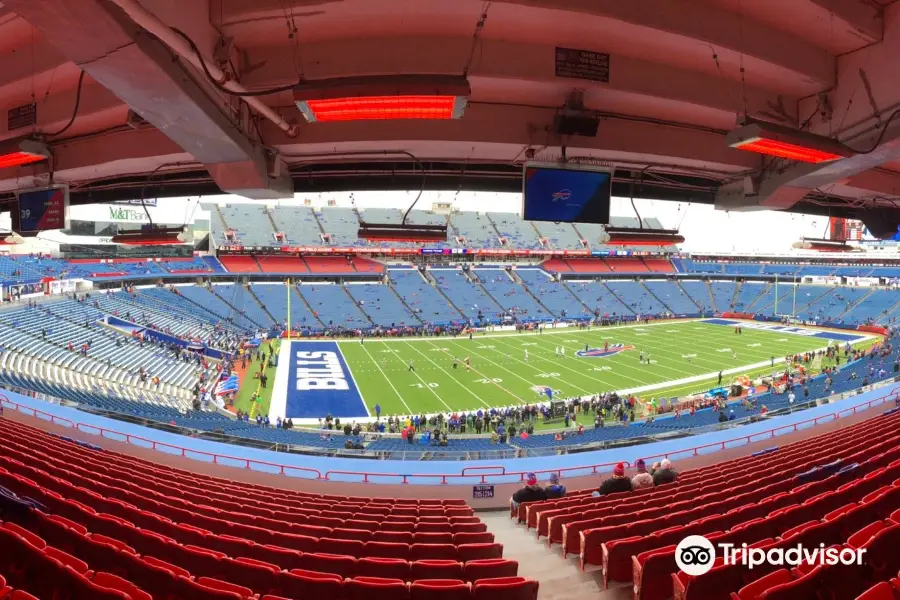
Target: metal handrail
(464,474)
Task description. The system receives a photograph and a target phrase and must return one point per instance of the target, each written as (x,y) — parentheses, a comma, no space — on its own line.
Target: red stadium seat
(305,584)
(467,552)
(224,586)
(390,568)
(473,538)
(376,588)
(345,566)
(505,588)
(283,557)
(490,568)
(433,538)
(436,569)
(294,541)
(880,591)
(440,589)
(434,551)
(400,537)
(387,550)
(335,546)
(113,582)
(254,574)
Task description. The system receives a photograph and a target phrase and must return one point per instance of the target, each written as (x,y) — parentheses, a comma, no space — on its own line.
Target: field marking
(278,401)
(513,373)
(386,378)
(600,381)
(465,387)
(425,383)
(352,376)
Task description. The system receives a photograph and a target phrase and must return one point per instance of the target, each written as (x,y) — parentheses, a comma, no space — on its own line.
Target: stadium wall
(346,475)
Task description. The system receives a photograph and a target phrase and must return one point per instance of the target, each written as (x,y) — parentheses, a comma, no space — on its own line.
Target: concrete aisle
(560,579)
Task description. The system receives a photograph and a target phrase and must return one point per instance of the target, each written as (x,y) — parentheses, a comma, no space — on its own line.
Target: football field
(515,368)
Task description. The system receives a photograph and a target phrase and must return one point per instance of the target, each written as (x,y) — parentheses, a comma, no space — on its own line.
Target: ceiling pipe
(144,18)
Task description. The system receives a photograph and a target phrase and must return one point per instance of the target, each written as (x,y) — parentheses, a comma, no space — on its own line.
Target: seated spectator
(617,483)
(532,492)
(555,489)
(663,473)
(642,479)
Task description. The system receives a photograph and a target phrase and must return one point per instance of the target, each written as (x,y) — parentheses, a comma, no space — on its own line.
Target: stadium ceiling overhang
(136,95)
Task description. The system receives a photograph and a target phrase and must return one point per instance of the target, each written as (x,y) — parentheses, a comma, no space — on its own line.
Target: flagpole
(287,288)
(776,295)
(794,309)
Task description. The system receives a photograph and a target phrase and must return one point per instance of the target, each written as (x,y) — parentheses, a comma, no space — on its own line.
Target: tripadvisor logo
(695,555)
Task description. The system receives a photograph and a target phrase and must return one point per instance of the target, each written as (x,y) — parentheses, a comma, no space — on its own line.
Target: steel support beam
(137,68)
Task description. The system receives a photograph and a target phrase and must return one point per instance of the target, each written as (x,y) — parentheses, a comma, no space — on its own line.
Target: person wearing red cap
(617,483)
(532,492)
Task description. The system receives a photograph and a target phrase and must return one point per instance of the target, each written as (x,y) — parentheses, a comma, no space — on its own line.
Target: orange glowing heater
(434,97)
(20,152)
(771,139)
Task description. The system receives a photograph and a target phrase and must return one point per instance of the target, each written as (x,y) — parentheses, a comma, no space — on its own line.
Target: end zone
(825,334)
(313,380)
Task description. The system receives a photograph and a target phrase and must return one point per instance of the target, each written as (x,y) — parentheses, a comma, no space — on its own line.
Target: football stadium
(473,300)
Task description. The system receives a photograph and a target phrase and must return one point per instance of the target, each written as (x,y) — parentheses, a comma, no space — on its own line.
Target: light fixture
(823,245)
(10,238)
(779,141)
(432,97)
(402,233)
(629,236)
(23,152)
(151,236)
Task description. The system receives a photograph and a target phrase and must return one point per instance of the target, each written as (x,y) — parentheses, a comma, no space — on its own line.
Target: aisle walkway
(560,579)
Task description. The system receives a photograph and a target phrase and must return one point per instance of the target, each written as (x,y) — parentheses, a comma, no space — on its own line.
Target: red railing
(465,474)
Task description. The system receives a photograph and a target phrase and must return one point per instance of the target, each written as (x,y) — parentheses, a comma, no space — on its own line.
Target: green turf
(250,385)
(501,377)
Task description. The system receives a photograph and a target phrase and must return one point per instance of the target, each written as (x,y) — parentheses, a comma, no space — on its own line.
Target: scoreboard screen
(567,193)
(42,209)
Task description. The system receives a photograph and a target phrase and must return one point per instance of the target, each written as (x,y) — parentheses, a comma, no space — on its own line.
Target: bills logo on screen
(561,195)
(601,352)
(542,389)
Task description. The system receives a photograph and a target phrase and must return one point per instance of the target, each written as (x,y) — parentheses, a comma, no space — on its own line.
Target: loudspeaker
(585,126)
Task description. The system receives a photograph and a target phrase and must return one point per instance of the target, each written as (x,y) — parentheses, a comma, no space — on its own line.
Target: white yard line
(513,373)
(465,387)
(425,383)
(355,381)
(278,401)
(386,378)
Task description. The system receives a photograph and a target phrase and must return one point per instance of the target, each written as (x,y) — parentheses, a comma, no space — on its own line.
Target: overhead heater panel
(433,97)
(779,141)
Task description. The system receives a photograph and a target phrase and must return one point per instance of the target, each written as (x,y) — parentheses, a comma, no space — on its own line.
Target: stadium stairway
(434,283)
(518,279)
(303,299)
(262,305)
(559,578)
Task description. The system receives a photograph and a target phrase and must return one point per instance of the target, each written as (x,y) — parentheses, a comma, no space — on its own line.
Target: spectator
(532,492)
(642,479)
(555,489)
(617,483)
(664,473)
